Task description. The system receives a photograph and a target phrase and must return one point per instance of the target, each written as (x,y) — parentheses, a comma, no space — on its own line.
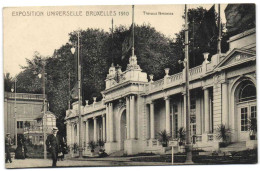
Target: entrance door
(246,108)
(245,112)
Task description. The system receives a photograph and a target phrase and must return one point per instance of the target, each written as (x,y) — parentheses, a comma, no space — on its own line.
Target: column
(68,127)
(95,128)
(77,133)
(132,117)
(198,114)
(210,116)
(127,118)
(206,110)
(72,133)
(173,121)
(107,123)
(167,117)
(147,121)
(184,111)
(87,131)
(152,120)
(225,104)
(111,120)
(104,127)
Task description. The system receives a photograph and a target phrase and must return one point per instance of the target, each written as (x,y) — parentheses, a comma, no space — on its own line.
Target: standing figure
(63,149)
(8,143)
(19,152)
(53,145)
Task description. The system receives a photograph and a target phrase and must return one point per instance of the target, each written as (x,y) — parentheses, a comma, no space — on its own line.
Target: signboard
(173,143)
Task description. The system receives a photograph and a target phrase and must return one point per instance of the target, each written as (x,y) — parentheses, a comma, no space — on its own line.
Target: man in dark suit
(8,144)
(53,145)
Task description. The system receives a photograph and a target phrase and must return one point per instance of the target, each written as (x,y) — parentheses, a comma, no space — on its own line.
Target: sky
(23,35)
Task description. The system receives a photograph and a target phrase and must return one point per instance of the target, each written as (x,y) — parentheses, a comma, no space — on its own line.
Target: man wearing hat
(8,143)
(53,145)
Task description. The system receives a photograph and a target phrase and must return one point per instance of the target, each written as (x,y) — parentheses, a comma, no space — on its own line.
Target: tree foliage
(8,82)
(200,22)
(97,51)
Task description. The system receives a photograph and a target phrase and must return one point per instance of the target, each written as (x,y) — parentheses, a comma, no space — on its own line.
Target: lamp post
(42,75)
(187,91)
(13,89)
(79,93)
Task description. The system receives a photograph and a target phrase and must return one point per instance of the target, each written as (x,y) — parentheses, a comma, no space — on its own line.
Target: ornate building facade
(23,115)
(134,109)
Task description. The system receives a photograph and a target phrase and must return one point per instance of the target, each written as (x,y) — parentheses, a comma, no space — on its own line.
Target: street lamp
(187,91)
(79,93)
(13,89)
(42,75)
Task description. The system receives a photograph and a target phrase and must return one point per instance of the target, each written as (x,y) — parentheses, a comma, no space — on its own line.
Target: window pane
(244,121)
(253,112)
(247,91)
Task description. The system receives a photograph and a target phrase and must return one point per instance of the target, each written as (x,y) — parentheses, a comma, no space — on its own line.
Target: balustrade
(25,96)
(196,70)
(174,79)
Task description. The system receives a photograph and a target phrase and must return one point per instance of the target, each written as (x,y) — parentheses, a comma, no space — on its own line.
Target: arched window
(247,91)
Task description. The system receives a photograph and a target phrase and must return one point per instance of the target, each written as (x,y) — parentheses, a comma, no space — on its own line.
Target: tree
(154,51)
(8,82)
(203,35)
(97,51)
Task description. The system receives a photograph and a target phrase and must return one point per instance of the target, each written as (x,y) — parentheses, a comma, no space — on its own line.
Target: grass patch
(139,154)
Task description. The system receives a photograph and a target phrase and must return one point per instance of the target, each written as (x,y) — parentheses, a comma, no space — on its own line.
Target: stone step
(238,146)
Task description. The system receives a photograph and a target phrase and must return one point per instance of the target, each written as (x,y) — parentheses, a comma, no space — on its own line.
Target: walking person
(8,143)
(53,145)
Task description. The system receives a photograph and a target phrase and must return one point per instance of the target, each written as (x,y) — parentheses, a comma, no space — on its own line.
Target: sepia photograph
(129,85)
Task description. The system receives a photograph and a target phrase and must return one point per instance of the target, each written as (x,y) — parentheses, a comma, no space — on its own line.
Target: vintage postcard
(130,85)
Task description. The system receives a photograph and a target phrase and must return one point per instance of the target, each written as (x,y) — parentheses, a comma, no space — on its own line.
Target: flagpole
(79,97)
(112,41)
(69,92)
(133,43)
(219,34)
(187,92)
(44,110)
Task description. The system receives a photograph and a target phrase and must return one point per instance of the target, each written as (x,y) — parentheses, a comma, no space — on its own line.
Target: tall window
(19,124)
(193,116)
(174,121)
(244,119)
(253,112)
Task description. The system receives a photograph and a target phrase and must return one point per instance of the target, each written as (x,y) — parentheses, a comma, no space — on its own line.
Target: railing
(25,96)
(175,77)
(94,107)
(157,83)
(196,70)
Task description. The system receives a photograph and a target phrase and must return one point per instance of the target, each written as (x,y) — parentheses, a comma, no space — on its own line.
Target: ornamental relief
(237,56)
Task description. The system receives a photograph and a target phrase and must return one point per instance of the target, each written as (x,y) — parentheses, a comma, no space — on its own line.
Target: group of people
(56,146)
